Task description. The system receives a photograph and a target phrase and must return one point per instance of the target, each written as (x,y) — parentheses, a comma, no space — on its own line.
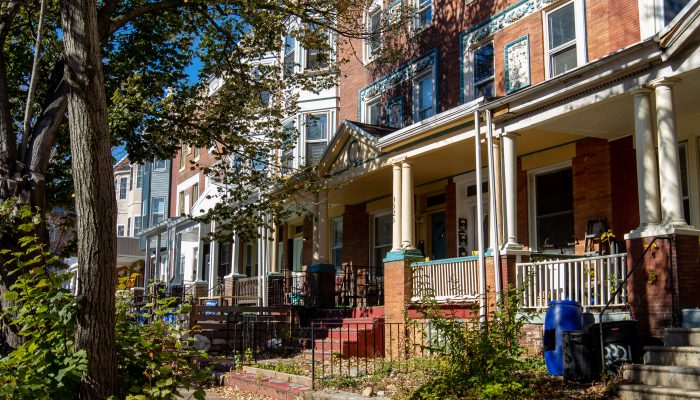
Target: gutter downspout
(483,302)
(492,215)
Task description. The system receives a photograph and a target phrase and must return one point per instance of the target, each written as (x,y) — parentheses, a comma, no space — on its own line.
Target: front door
(438,240)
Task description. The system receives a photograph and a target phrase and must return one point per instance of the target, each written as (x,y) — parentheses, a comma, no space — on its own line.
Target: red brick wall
(356,235)
(523,224)
(623,182)
(451,218)
(611,25)
(189,171)
(592,192)
(687,257)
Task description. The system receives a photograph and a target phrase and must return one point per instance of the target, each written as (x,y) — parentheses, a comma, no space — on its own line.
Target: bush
(476,362)
(154,360)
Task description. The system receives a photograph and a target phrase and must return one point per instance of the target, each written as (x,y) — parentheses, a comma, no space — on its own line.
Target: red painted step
(275,388)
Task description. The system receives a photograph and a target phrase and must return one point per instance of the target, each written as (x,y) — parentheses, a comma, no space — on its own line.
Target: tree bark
(94,195)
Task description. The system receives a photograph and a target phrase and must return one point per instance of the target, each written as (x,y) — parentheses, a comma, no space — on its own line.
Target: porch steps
(351,337)
(671,371)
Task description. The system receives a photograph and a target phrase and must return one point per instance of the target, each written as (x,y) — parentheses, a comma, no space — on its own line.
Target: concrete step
(680,356)
(645,392)
(280,389)
(682,337)
(687,378)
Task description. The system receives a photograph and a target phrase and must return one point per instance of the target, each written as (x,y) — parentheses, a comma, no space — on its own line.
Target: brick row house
(503,132)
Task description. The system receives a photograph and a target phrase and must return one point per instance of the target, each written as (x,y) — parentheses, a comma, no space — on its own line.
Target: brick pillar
(508,262)
(398,290)
(664,284)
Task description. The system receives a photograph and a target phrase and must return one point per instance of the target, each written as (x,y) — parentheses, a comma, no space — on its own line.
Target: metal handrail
(617,293)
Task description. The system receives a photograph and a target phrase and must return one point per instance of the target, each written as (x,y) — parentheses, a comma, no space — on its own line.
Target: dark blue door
(437,236)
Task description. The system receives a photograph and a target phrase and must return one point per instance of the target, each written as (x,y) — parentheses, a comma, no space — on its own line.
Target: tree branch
(33,81)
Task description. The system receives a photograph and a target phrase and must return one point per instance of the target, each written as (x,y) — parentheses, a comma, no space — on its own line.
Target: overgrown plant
(155,360)
(46,365)
(476,361)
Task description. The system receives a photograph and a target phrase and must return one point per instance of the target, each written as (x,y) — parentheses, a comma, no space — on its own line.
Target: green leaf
(10,296)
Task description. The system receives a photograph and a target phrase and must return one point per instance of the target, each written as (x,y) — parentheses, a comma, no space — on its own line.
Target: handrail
(617,293)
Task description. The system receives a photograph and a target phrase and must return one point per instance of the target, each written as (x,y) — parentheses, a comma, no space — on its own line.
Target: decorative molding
(517,64)
(502,19)
(403,73)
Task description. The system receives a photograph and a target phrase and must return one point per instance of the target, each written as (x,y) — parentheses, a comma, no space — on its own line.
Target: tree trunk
(95,201)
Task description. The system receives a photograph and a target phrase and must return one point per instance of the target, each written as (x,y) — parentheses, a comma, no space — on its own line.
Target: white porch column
(157,274)
(494,206)
(647,175)
(510,166)
(235,251)
(275,245)
(669,166)
(479,218)
(396,223)
(407,224)
(498,192)
(213,265)
(147,265)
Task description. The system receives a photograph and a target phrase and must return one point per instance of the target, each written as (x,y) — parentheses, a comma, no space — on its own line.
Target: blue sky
(192,71)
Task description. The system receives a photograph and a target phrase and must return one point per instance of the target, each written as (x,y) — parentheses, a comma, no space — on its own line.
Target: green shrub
(475,361)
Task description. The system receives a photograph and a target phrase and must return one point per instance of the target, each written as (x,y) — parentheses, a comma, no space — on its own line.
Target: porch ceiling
(613,118)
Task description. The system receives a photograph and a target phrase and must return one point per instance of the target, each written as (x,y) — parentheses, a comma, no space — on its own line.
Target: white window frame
(579,29)
(122,230)
(305,55)
(416,26)
(304,141)
(369,55)
(153,212)
(294,51)
(333,246)
(162,168)
(123,185)
(372,236)
(138,227)
(367,106)
(532,198)
(431,73)
(291,152)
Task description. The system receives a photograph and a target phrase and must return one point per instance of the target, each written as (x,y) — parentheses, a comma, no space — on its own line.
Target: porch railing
(247,291)
(453,279)
(588,280)
(360,286)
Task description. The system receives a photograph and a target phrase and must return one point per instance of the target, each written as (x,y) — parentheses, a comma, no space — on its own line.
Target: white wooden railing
(453,279)
(589,280)
(247,291)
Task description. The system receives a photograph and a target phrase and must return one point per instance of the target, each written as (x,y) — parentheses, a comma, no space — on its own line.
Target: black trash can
(320,279)
(620,343)
(579,356)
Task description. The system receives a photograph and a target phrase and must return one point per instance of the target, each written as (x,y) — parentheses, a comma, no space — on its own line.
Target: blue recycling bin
(562,315)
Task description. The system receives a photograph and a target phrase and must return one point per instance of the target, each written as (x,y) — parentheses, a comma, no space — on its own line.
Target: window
(139,176)
(181,203)
(122,188)
(225,259)
(337,243)
(394,113)
(120,230)
(373,43)
(297,250)
(289,55)
(381,238)
(137,226)
(316,58)
(424,14)
(316,136)
(685,192)
(424,97)
(373,112)
(260,161)
(287,158)
(131,180)
(554,209)
(564,52)
(195,193)
(183,156)
(483,71)
(128,226)
(158,209)
(673,8)
(160,164)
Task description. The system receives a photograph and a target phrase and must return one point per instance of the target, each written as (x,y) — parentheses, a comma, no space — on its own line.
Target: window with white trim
(565,47)
(120,230)
(128,226)
(424,14)
(685,190)
(552,207)
(122,187)
(160,165)
(373,27)
(672,8)
(382,231)
(287,156)
(157,209)
(137,225)
(316,59)
(337,243)
(289,55)
(424,97)
(315,137)
(373,112)
(483,67)
(139,176)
